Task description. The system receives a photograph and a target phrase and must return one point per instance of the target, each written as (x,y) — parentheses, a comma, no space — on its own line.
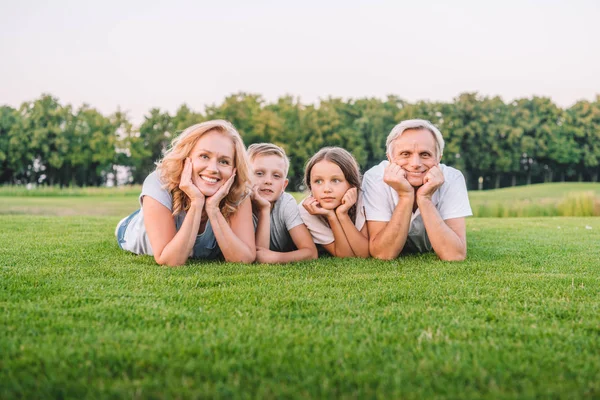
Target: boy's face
(269,176)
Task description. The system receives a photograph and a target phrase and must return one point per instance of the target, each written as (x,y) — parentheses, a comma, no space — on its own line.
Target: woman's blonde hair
(171,166)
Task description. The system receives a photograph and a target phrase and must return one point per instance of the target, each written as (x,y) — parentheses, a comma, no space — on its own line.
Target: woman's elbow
(169,263)
(246,257)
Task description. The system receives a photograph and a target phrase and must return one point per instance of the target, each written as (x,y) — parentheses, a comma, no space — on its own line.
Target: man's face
(269,176)
(415,152)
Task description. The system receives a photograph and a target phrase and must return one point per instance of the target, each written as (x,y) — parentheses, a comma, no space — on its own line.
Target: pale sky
(142,54)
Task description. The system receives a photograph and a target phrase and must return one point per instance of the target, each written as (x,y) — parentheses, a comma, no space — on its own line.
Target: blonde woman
(196,203)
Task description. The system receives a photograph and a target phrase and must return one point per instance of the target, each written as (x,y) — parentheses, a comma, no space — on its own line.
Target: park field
(540,200)
(79,318)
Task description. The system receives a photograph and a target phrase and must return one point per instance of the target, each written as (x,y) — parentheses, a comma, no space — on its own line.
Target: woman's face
(328,184)
(213,160)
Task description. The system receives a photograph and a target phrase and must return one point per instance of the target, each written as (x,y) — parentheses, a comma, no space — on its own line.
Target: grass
(540,200)
(81,318)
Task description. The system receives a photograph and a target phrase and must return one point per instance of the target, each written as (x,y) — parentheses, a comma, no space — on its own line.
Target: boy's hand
(314,208)
(259,202)
(348,201)
(266,256)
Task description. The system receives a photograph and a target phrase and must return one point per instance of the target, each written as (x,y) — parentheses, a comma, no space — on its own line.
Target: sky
(137,55)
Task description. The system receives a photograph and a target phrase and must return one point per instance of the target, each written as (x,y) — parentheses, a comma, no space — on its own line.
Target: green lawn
(81,318)
(553,199)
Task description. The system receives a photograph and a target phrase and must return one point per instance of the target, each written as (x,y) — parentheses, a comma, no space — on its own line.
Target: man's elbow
(454,256)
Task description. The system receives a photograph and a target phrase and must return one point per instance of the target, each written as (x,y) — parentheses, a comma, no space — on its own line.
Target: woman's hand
(213,202)
(348,201)
(314,208)
(189,184)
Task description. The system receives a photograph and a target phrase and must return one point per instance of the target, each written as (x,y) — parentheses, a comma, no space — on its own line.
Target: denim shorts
(122,228)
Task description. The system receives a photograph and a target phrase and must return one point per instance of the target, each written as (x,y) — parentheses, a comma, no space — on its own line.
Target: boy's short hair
(268,149)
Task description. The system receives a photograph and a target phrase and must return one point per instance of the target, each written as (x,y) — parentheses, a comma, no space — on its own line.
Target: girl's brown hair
(343,159)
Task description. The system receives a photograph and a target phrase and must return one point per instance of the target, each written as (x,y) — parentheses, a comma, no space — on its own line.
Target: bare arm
(387,239)
(263,228)
(236,238)
(303,241)
(358,240)
(172,247)
(448,238)
(340,246)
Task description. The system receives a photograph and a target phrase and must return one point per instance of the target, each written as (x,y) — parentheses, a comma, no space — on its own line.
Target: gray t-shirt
(284,217)
(131,231)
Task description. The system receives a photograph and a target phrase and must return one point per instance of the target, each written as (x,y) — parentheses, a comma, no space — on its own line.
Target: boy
(281,235)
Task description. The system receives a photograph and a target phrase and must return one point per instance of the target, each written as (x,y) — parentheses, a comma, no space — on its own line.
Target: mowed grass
(540,200)
(580,199)
(81,318)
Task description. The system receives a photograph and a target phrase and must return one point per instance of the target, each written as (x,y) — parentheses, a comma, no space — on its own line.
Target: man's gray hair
(403,126)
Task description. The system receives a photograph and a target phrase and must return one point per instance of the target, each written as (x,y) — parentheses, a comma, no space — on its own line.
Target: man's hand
(314,208)
(214,201)
(189,184)
(348,201)
(395,177)
(434,178)
(259,202)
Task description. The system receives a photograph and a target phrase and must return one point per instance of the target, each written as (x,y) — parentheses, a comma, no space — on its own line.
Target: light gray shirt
(451,200)
(284,217)
(135,238)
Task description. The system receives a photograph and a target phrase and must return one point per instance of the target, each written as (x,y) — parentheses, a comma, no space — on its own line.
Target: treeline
(495,144)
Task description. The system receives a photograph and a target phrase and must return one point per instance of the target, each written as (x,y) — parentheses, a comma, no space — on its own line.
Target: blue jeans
(123,228)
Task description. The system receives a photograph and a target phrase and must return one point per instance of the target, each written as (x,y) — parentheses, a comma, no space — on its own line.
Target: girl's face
(328,184)
(213,159)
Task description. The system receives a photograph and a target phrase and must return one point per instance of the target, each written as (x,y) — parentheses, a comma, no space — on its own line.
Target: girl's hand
(189,183)
(214,201)
(314,208)
(348,201)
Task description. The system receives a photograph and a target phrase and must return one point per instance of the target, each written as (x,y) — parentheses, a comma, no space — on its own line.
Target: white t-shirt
(319,228)
(451,200)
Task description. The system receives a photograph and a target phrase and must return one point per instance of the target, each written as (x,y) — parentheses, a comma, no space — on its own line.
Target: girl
(196,203)
(333,212)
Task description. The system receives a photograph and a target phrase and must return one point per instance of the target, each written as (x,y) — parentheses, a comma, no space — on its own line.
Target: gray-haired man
(412,202)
